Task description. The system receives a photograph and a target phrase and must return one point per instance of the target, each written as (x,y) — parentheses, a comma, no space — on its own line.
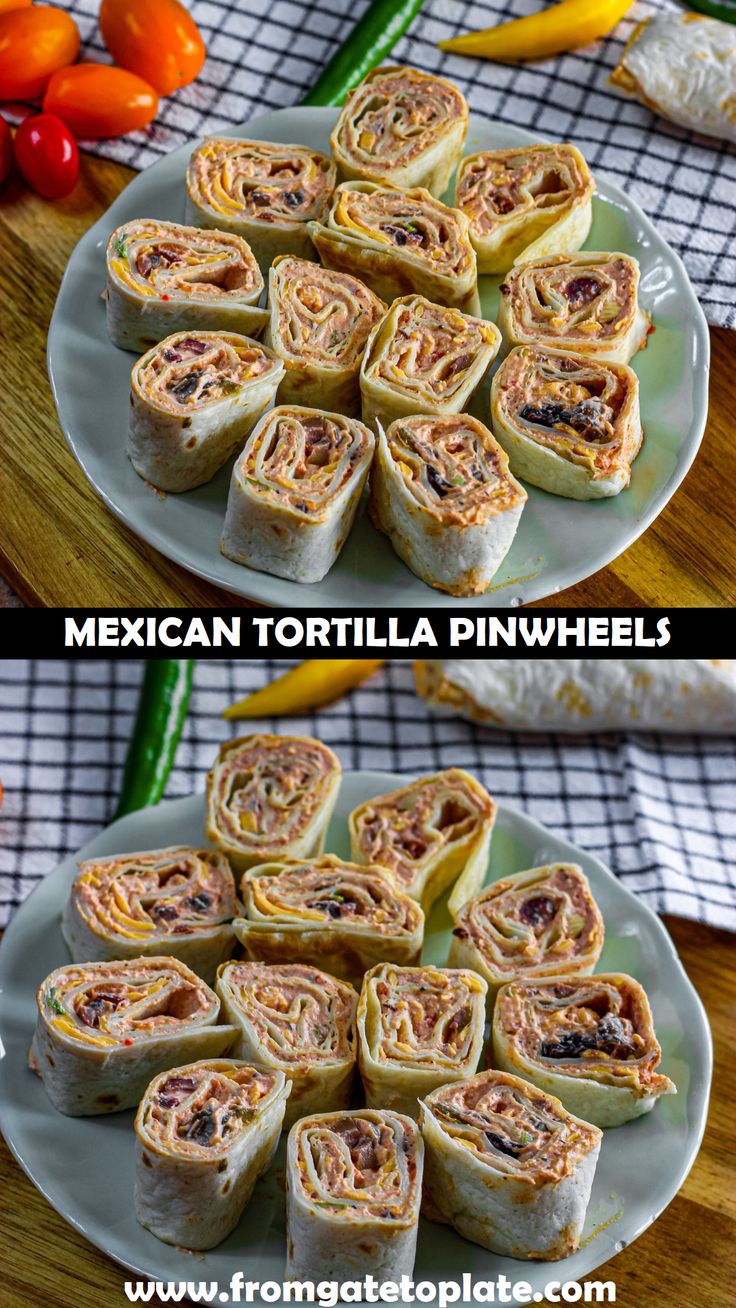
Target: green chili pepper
(372,38)
(725,11)
(162,708)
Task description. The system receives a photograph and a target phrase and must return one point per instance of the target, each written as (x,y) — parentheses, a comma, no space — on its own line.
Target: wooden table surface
(60,546)
(686,1259)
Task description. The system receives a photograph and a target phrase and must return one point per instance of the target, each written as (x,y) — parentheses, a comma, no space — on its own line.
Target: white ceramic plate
(84,1166)
(559,541)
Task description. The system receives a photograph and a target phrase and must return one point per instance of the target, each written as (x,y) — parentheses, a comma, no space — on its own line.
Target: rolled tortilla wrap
(319,323)
(525,203)
(163,278)
(194,398)
(590,1041)
(353,1191)
(330,914)
(205,1132)
(586,303)
(104,1029)
(441,490)
(295,491)
(270,797)
(296,1020)
(507,1166)
(576,695)
(178,901)
(683,66)
(424,358)
(399,243)
(542,922)
(265,192)
(433,833)
(401,127)
(418,1028)
(568,424)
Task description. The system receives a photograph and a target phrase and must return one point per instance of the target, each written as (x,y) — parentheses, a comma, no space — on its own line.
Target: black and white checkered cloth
(266,56)
(658,810)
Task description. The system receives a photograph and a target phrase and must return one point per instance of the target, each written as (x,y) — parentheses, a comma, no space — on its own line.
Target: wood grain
(60,546)
(686,1259)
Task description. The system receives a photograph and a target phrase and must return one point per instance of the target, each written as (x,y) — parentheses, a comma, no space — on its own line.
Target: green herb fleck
(52,1001)
(228,387)
(411,227)
(526,1138)
(120,245)
(458,480)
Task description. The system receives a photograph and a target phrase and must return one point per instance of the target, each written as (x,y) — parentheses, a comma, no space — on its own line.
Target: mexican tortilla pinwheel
(205,1132)
(418,1028)
(398,243)
(402,127)
(588,1040)
(330,914)
(163,278)
(541,922)
(433,833)
(353,1192)
(194,398)
(319,324)
(295,491)
(104,1029)
(568,424)
(297,1020)
(424,358)
(525,203)
(508,1166)
(585,303)
(264,192)
(442,491)
(271,797)
(178,901)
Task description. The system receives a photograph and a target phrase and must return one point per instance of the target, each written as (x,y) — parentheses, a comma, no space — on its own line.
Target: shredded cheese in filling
(423,1017)
(200,1111)
(187,372)
(581,298)
(395,115)
(304,458)
(267,789)
(413,222)
(498,188)
(162,893)
(165,259)
(428,350)
(264,182)
(453,467)
(109,1004)
(330,891)
(359,1165)
(323,316)
(300,1015)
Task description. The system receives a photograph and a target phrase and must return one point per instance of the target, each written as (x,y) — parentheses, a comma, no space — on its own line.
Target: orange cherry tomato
(5,5)
(157,39)
(96,100)
(34,42)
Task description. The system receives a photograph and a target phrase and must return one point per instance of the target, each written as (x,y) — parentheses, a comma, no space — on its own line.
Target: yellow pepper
(564,26)
(309,685)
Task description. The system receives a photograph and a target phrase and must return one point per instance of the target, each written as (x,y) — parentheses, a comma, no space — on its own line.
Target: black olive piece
(187,386)
(199,902)
(504,1146)
(569,1045)
(329,906)
(437,482)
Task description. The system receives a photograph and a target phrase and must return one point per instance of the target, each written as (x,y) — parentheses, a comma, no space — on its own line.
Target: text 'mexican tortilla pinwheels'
(205,1132)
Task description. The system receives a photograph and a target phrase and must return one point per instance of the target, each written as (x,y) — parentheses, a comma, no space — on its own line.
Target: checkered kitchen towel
(265,56)
(659,810)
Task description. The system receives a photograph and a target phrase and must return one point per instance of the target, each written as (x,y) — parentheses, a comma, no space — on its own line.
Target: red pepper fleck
(164,297)
(127,1042)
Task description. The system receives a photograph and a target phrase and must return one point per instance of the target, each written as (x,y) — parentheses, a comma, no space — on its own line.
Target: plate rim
(384,780)
(256,585)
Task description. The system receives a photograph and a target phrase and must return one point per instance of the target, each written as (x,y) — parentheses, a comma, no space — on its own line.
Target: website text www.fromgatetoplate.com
(328,1294)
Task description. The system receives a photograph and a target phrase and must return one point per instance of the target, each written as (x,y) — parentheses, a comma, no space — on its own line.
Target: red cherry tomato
(96,100)
(34,42)
(157,39)
(47,155)
(6,149)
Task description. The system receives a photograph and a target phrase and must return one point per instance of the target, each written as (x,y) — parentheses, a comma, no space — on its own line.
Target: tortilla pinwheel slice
(353,1193)
(525,203)
(163,278)
(296,1020)
(319,324)
(329,914)
(401,127)
(104,1029)
(433,833)
(271,797)
(588,1040)
(399,242)
(205,1132)
(442,492)
(295,492)
(585,303)
(265,192)
(568,424)
(418,1028)
(194,397)
(424,358)
(178,901)
(541,922)
(507,1166)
